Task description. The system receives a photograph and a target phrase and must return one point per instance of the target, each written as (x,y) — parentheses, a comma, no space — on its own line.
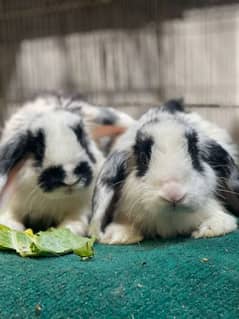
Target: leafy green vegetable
(55,241)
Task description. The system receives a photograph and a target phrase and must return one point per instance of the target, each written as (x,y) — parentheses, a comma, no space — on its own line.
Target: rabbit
(49,163)
(165,177)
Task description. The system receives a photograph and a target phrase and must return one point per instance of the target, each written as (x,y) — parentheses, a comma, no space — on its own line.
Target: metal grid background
(126,53)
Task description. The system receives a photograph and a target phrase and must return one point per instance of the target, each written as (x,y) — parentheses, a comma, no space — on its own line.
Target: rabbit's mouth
(69,191)
(62,188)
(168,207)
(62,192)
(72,190)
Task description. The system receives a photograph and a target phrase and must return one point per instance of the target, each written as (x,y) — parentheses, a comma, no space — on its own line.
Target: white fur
(211,221)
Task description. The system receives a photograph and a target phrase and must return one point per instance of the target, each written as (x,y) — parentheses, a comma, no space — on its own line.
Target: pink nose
(172,192)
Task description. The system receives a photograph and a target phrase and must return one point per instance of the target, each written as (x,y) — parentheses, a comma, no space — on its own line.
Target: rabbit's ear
(230,194)
(104,124)
(99,115)
(227,174)
(16,149)
(218,158)
(108,190)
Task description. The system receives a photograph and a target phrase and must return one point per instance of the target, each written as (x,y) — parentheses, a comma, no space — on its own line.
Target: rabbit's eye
(193,149)
(84,172)
(142,151)
(37,146)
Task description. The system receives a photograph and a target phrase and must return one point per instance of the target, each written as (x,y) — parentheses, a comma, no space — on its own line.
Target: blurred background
(130,54)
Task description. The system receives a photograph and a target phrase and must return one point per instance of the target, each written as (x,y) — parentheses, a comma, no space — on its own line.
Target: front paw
(77,227)
(120,234)
(217,226)
(13,224)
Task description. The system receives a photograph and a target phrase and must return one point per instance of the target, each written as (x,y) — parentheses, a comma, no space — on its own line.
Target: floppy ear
(108,190)
(99,115)
(227,172)
(11,153)
(231,193)
(16,149)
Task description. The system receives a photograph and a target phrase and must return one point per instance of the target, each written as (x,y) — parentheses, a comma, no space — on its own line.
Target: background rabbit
(48,164)
(167,175)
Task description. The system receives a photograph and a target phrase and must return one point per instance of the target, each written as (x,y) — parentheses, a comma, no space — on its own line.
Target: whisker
(228,191)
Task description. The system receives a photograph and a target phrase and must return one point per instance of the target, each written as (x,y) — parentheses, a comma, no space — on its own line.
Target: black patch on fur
(114,173)
(218,158)
(109,213)
(192,139)
(228,192)
(106,117)
(36,145)
(173,106)
(19,147)
(51,178)
(233,180)
(228,175)
(84,172)
(142,151)
(83,140)
(13,152)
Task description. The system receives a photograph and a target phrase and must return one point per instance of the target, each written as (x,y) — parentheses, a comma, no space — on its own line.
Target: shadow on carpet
(182,278)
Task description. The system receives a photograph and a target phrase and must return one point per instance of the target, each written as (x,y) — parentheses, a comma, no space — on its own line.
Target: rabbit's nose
(173,193)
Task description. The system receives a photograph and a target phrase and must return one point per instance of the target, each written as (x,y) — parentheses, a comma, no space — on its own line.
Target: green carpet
(155,279)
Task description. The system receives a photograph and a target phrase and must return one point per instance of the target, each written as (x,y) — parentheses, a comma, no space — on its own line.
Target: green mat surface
(181,278)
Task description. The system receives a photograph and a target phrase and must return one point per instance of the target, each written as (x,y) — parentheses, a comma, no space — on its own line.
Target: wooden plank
(125,53)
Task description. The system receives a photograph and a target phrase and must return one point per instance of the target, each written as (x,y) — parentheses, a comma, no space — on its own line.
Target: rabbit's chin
(156,205)
(167,209)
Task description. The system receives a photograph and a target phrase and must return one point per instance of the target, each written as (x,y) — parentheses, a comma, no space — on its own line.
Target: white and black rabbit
(49,162)
(165,177)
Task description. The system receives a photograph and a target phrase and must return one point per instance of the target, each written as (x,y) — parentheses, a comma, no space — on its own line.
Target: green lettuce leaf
(55,241)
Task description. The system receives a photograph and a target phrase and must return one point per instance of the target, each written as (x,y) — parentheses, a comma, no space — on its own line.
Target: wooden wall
(127,53)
